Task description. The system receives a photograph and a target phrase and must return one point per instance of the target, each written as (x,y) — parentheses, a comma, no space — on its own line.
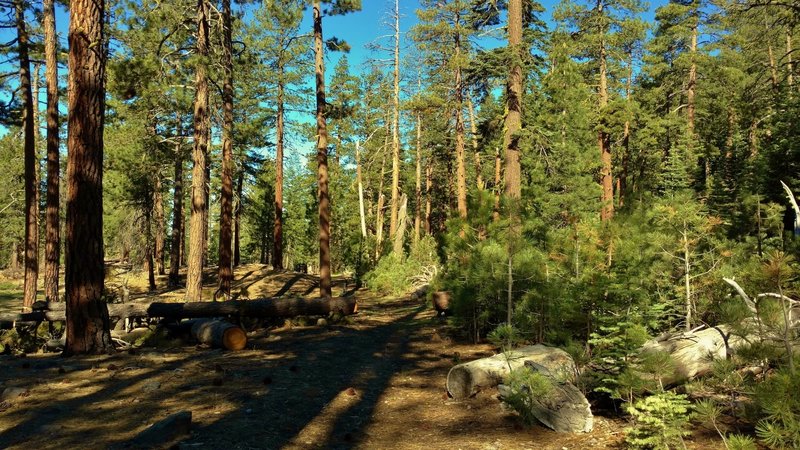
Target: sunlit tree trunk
(603,138)
(418,184)
(461,170)
(395,125)
(87,314)
(473,127)
(225,272)
(52,253)
(197,234)
(322,160)
(237,255)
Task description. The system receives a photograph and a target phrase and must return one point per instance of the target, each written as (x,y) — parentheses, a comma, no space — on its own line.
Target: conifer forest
(400,224)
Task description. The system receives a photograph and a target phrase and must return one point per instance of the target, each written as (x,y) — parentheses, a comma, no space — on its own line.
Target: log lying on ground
(163,434)
(563,409)
(465,380)
(219,334)
(262,308)
(693,353)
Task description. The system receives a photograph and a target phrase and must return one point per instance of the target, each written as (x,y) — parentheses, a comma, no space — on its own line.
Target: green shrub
(778,400)
(396,274)
(659,421)
(524,387)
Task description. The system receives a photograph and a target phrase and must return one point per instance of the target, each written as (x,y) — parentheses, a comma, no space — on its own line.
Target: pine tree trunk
(513,121)
(461,170)
(207,193)
(322,160)
(177,209)
(197,235)
(379,212)
(31,185)
(622,189)
(418,183)
(52,219)
(277,234)
(237,255)
(692,81)
(603,138)
(473,128)
(395,126)
(158,218)
(428,193)
(789,63)
(225,273)
(498,171)
(148,256)
(87,314)
(361,213)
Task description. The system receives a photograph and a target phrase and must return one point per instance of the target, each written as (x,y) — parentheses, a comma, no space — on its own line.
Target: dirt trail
(374,383)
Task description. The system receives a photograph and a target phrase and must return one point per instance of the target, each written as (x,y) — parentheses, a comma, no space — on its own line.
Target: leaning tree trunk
(52,219)
(29,148)
(322,160)
(225,273)
(197,235)
(87,315)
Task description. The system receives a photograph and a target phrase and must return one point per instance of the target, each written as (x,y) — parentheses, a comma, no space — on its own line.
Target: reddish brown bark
(225,273)
(322,160)
(197,233)
(277,234)
(29,149)
(52,253)
(87,314)
(461,169)
(603,138)
(513,120)
(237,257)
(158,219)
(177,208)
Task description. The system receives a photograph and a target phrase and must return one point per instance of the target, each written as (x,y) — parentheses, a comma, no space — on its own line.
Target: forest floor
(374,381)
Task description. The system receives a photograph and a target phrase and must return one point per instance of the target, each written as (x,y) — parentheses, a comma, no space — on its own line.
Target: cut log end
(234,339)
(459,382)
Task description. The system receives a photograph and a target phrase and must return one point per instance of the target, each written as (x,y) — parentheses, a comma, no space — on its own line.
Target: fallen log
(563,409)
(693,353)
(262,308)
(465,380)
(219,334)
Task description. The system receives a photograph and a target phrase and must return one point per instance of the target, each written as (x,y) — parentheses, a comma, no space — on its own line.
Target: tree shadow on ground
(291,388)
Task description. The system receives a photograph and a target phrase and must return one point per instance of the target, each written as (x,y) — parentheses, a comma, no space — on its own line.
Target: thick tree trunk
(513,121)
(277,234)
(31,184)
(219,334)
(402,222)
(461,170)
(158,219)
(52,253)
(498,170)
(604,142)
(87,316)
(394,206)
(465,380)
(237,222)
(322,160)
(197,236)
(225,273)
(177,209)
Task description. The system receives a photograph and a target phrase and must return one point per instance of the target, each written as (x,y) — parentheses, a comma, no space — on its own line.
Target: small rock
(13,393)
(321,322)
(350,391)
(151,386)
